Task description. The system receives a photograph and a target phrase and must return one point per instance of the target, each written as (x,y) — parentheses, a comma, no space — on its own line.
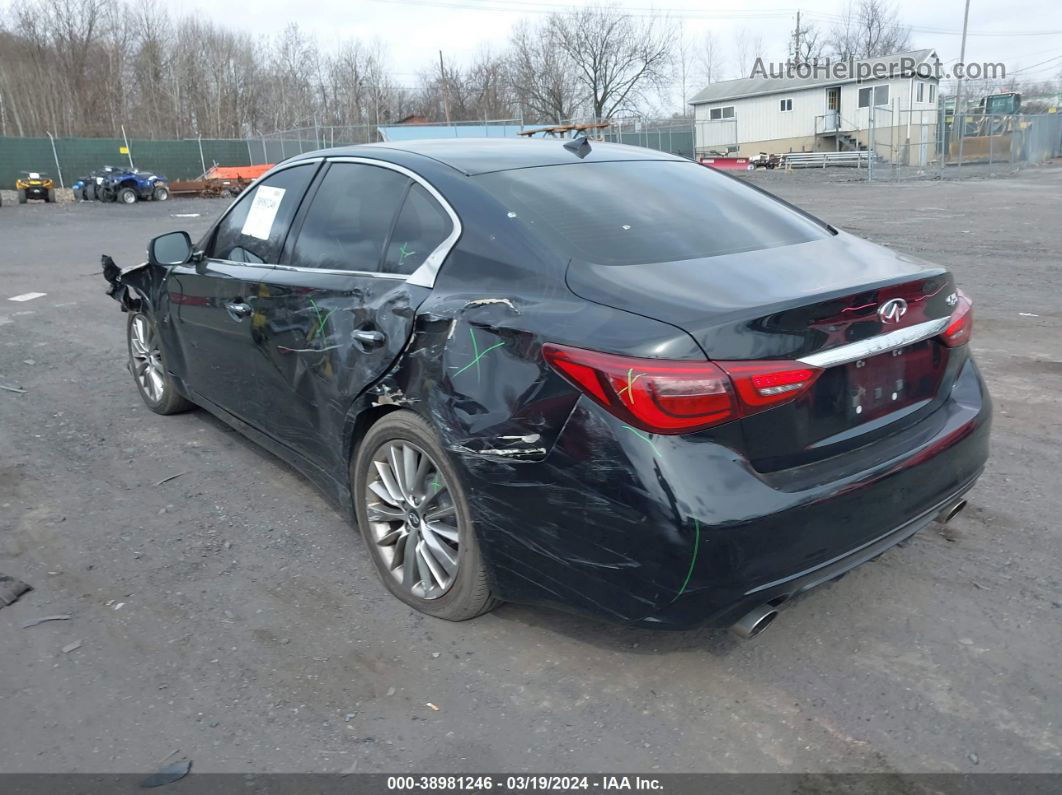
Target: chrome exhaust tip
(951,511)
(754,622)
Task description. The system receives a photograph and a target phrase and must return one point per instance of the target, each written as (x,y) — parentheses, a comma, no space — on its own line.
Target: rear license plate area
(889,381)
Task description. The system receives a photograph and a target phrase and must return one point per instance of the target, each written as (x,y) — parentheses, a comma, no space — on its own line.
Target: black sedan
(587,375)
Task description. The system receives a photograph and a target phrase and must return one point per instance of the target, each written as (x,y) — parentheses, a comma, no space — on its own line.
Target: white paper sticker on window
(263,211)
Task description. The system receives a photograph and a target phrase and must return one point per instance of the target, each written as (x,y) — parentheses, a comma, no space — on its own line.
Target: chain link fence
(918,144)
(68,159)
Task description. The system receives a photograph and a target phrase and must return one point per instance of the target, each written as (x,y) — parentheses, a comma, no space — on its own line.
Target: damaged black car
(595,376)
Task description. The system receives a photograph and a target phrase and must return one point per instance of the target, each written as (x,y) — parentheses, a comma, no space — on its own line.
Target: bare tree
(539,74)
(869,29)
(748,47)
(709,58)
(615,56)
(808,44)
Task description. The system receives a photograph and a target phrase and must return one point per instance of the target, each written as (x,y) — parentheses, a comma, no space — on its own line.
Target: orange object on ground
(238,172)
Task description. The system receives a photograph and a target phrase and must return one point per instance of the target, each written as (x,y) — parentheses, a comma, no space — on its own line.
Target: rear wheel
(155,385)
(412,511)
(161,193)
(127,196)
(22,196)
(50,198)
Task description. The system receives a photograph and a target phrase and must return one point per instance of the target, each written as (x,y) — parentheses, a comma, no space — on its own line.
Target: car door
(339,310)
(213,300)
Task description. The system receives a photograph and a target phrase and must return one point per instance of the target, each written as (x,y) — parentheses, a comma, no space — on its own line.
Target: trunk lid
(792,302)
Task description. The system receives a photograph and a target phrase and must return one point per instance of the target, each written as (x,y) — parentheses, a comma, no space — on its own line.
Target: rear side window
(351,215)
(255,229)
(633,212)
(421,227)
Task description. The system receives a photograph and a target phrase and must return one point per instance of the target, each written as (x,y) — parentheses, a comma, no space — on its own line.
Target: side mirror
(174,248)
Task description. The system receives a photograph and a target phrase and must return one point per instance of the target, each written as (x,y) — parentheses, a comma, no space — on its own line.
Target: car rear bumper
(680,531)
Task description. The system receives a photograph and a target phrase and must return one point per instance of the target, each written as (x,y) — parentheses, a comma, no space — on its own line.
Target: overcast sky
(1020,33)
(415,29)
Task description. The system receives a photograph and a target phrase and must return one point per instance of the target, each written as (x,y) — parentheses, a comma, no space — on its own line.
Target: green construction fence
(78,156)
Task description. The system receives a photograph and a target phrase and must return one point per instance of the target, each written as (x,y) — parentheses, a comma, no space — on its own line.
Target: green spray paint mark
(435,484)
(644,437)
(478,355)
(629,389)
(693,558)
(403,253)
(321,320)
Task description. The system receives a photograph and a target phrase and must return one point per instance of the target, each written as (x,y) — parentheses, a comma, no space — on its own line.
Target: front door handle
(370,338)
(238,310)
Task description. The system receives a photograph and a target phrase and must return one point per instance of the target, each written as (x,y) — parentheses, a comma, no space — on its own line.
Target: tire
(90,192)
(158,391)
(467,594)
(161,193)
(22,197)
(126,196)
(50,198)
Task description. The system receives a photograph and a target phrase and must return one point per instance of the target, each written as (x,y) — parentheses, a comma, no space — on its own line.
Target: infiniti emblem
(891,311)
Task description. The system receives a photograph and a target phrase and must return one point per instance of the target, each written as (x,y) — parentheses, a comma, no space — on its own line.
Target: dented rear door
(337,313)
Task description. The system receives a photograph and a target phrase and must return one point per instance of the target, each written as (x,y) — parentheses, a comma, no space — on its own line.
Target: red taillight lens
(663,396)
(960,329)
(765,384)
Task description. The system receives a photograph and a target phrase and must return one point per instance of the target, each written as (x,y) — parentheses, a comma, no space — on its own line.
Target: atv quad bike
(35,185)
(127,186)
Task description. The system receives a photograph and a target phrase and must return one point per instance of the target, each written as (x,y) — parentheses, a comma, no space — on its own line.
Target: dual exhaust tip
(759,618)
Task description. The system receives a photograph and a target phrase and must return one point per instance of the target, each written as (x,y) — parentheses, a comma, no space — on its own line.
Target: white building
(888,104)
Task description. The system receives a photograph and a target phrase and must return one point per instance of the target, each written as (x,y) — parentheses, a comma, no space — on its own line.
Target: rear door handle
(238,310)
(370,338)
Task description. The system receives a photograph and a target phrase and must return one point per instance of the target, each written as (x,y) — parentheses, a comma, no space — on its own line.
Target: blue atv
(127,186)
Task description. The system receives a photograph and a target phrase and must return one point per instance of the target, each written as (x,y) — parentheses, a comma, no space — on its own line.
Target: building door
(833,108)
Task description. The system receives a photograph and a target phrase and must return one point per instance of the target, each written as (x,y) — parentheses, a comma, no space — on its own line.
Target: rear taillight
(663,396)
(960,329)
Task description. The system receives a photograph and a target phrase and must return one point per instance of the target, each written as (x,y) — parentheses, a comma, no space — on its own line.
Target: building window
(932,93)
(879,95)
(715,114)
(921,92)
(785,104)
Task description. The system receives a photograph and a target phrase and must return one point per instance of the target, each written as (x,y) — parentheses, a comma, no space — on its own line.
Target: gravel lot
(232,614)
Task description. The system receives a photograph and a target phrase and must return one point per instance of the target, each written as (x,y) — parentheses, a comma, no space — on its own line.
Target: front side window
(636,212)
(350,218)
(255,229)
(421,228)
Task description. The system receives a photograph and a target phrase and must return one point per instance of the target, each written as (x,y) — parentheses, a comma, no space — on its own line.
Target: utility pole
(960,111)
(446,88)
(796,41)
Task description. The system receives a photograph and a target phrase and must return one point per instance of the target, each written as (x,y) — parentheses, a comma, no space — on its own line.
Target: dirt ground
(232,616)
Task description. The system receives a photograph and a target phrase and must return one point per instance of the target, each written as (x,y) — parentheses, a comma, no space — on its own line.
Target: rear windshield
(631,212)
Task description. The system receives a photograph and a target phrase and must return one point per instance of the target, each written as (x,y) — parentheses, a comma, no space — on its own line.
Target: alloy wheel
(413,519)
(146,358)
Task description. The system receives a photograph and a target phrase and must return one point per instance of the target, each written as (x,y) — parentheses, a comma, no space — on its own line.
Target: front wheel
(413,513)
(50,198)
(155,385)
(22,197)
(161,193)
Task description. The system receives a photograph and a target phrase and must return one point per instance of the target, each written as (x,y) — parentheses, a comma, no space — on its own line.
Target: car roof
(482,155)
